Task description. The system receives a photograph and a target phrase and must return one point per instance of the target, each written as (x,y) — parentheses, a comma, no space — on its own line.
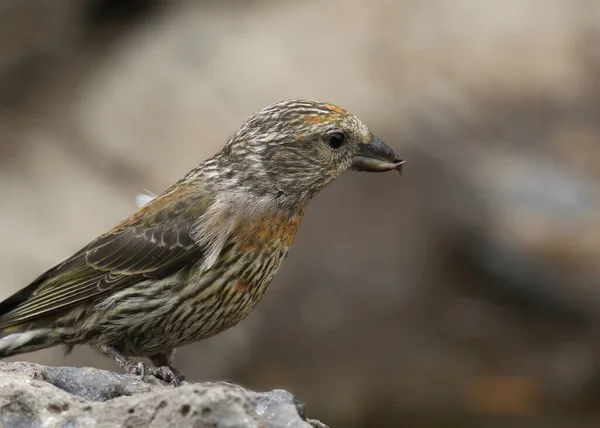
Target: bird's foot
(164,373)
(160,371)
(167,374)
(136,368)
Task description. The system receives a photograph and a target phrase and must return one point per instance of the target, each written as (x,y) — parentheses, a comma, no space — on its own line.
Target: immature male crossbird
(196,259)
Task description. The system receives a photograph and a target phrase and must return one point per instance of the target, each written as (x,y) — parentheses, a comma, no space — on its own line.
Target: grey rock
(32,395)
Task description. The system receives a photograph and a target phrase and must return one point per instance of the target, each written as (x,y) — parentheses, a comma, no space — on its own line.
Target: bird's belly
(204,305)
(222,305)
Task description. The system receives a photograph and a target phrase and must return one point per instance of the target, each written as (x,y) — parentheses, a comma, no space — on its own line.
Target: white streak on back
(143,198)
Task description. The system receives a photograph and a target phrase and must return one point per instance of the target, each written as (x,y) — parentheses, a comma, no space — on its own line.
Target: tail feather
(29,341)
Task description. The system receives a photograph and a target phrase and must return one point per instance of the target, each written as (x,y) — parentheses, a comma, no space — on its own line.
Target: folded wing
(155,242)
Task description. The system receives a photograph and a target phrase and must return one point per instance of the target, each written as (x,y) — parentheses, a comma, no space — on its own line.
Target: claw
(141,370)
(166,374)
(176,381)
(136,368)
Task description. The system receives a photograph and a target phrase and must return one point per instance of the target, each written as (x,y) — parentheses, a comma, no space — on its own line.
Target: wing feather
(154,242)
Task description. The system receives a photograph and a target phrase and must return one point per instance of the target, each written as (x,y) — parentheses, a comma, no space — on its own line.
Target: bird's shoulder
(184,201)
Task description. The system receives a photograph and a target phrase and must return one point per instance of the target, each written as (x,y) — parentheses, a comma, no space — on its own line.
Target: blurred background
(466,294)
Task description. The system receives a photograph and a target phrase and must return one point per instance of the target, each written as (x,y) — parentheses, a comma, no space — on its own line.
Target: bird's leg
(163,368)
(130,366)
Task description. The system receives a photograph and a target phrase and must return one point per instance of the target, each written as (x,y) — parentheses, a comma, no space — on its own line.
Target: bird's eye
(335,140)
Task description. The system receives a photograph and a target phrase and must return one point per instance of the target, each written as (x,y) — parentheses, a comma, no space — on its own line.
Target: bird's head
(295,148)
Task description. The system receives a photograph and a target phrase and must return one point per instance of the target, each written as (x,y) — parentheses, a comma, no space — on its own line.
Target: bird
(196,259)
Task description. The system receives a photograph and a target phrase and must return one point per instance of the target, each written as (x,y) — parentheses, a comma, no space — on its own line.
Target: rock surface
(33,395)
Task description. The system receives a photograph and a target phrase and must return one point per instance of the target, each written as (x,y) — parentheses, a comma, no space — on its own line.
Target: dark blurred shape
(121,12)
(44,44)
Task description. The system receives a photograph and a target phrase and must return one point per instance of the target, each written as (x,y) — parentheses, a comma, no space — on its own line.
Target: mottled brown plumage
(195,260)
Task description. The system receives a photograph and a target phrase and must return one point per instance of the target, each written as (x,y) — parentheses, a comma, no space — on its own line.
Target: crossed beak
(376,157)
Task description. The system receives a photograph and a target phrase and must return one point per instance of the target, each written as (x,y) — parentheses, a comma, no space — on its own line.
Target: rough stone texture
(32,395)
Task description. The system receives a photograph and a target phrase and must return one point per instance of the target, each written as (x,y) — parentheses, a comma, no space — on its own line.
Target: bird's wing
(154,242)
